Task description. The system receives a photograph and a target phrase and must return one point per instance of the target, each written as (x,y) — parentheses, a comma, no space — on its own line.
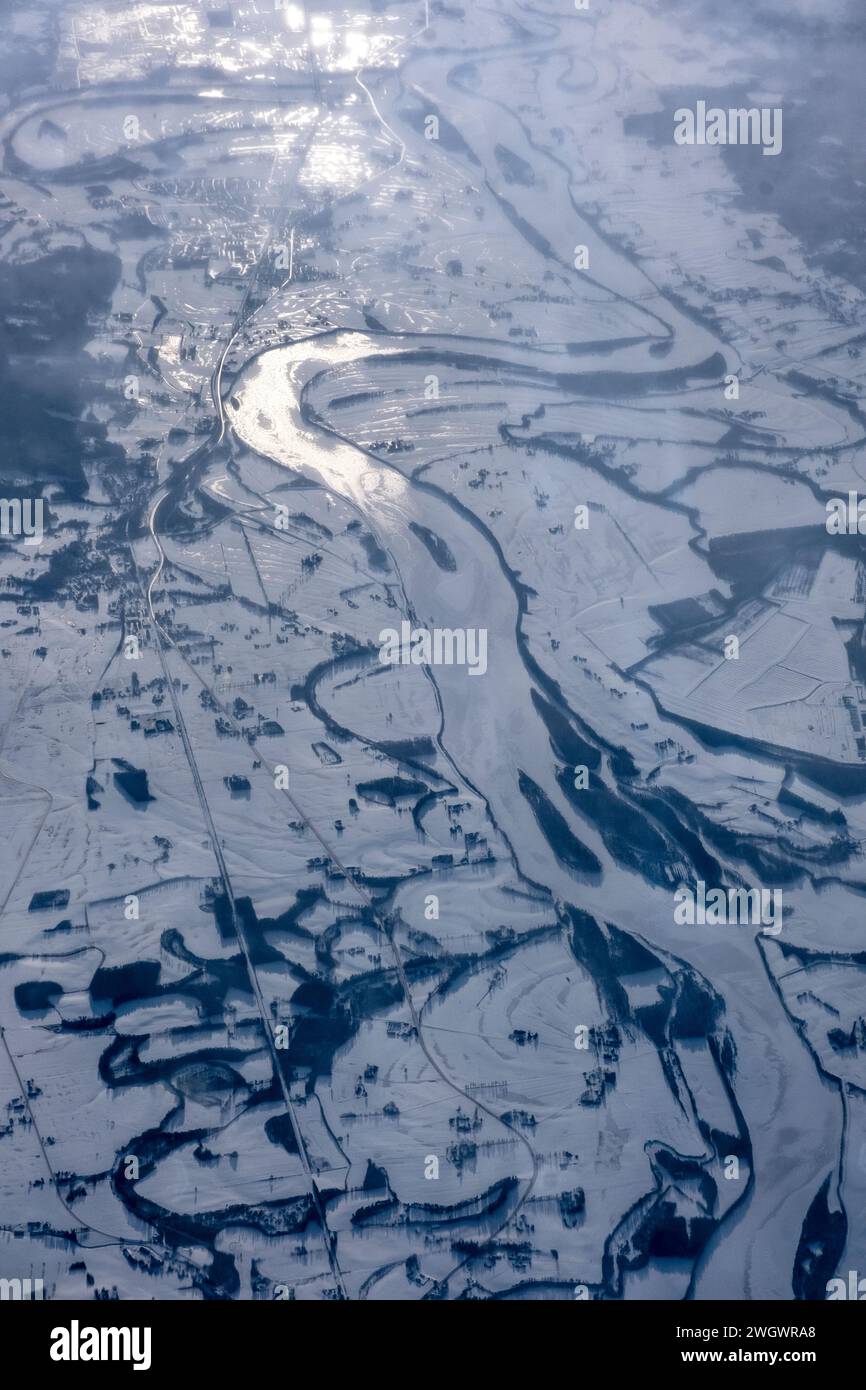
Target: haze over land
(326,975)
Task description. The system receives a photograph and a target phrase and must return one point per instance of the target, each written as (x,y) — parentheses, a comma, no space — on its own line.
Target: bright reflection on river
(268,420)
(321,29)
(293,18)
(335,166)
(341,43)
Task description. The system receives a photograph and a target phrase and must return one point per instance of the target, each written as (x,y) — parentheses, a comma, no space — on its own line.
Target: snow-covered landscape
(340,965)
